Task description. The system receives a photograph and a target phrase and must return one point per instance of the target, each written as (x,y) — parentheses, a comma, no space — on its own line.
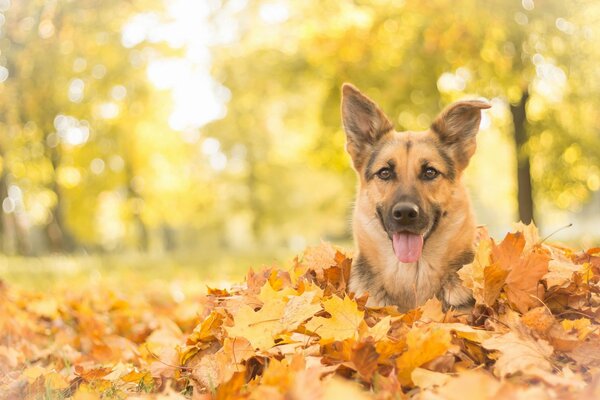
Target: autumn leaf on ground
(259,327)
(484,277)
(519,354)
(343,324)
(525,270)
(424,344)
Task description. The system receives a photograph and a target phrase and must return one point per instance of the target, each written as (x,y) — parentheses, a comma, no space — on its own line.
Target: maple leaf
(525,270)
(299,309)
(519,354)
(472,274)
(262,327)
(343,324)
(522,282)
(259,327)
(378,331)
(424,344)
(530,233)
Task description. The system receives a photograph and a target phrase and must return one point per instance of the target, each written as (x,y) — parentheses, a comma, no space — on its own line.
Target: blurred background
(207,133)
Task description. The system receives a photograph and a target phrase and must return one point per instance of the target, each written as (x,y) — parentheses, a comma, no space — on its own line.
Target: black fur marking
(369,174)
(380,216)
(364,270)
(437,214)
(450,168)
(408,145)
(463,258)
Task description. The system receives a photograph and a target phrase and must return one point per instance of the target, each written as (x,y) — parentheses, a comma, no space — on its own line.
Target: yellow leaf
(45,308)
(343,324)
(32,373)
(425,378)
(472,275)
(378,331)
(338,388)
(268,294)
(424,343)
(299,309)
(260,327)
(56,381)
(471,385)
(432,311)
(581,326)
(467,332)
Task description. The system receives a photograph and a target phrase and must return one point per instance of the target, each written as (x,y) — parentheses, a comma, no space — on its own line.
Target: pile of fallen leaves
(297,334)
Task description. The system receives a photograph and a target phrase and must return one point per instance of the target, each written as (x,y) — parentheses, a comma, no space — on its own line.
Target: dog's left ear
(457,127)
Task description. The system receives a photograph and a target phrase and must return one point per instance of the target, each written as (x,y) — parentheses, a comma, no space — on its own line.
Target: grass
(189,272)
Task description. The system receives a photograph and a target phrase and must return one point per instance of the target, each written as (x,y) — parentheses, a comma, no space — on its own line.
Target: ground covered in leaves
(296,333)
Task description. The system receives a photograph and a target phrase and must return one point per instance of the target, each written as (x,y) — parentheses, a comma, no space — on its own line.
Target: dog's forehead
(407,140)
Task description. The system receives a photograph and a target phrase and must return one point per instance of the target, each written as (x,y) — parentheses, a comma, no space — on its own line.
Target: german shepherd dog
(413,225)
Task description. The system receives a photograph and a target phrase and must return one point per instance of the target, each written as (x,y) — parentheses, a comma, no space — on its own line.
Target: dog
(413,224)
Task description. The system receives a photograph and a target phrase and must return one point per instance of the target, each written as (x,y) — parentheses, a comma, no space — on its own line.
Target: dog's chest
(409,285)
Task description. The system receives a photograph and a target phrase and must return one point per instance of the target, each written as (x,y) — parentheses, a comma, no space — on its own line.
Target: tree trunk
(58,234)
(524,188)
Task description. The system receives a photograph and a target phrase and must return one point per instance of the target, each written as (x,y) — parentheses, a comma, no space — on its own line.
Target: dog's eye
(430,173)
(384,174)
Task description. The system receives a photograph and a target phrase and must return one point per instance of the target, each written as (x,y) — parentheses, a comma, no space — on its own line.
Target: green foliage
(86,137)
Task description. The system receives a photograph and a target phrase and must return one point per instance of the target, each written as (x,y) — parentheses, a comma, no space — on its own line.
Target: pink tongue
(407,246)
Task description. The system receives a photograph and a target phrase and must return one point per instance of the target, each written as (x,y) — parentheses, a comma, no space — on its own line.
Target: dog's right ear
(363,121)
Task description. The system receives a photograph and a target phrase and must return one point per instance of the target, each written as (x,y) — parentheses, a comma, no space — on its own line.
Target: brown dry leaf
(494,278)
(343,324)
(320,257)
(508,253)
(364,357)
(424,344)
(519,354)
(587,354)
(294,334)
(561,271)
(522,283)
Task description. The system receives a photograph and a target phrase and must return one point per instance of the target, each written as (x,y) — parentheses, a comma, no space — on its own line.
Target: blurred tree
(78,94)
(408,55)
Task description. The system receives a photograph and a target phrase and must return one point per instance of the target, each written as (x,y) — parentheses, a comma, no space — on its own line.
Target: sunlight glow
(197,98)
(71,131)
(274,13)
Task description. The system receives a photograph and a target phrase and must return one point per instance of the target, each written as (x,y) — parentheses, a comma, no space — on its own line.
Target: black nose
(405,213)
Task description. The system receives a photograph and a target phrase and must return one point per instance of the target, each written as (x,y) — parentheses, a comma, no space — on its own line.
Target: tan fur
(449,241)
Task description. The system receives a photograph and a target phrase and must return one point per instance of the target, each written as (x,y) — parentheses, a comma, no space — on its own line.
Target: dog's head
(408,179)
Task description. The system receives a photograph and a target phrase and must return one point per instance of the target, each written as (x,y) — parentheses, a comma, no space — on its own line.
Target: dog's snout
(405,213)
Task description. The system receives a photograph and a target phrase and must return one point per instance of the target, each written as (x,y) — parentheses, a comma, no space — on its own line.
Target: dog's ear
(457,127)
(363,121)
